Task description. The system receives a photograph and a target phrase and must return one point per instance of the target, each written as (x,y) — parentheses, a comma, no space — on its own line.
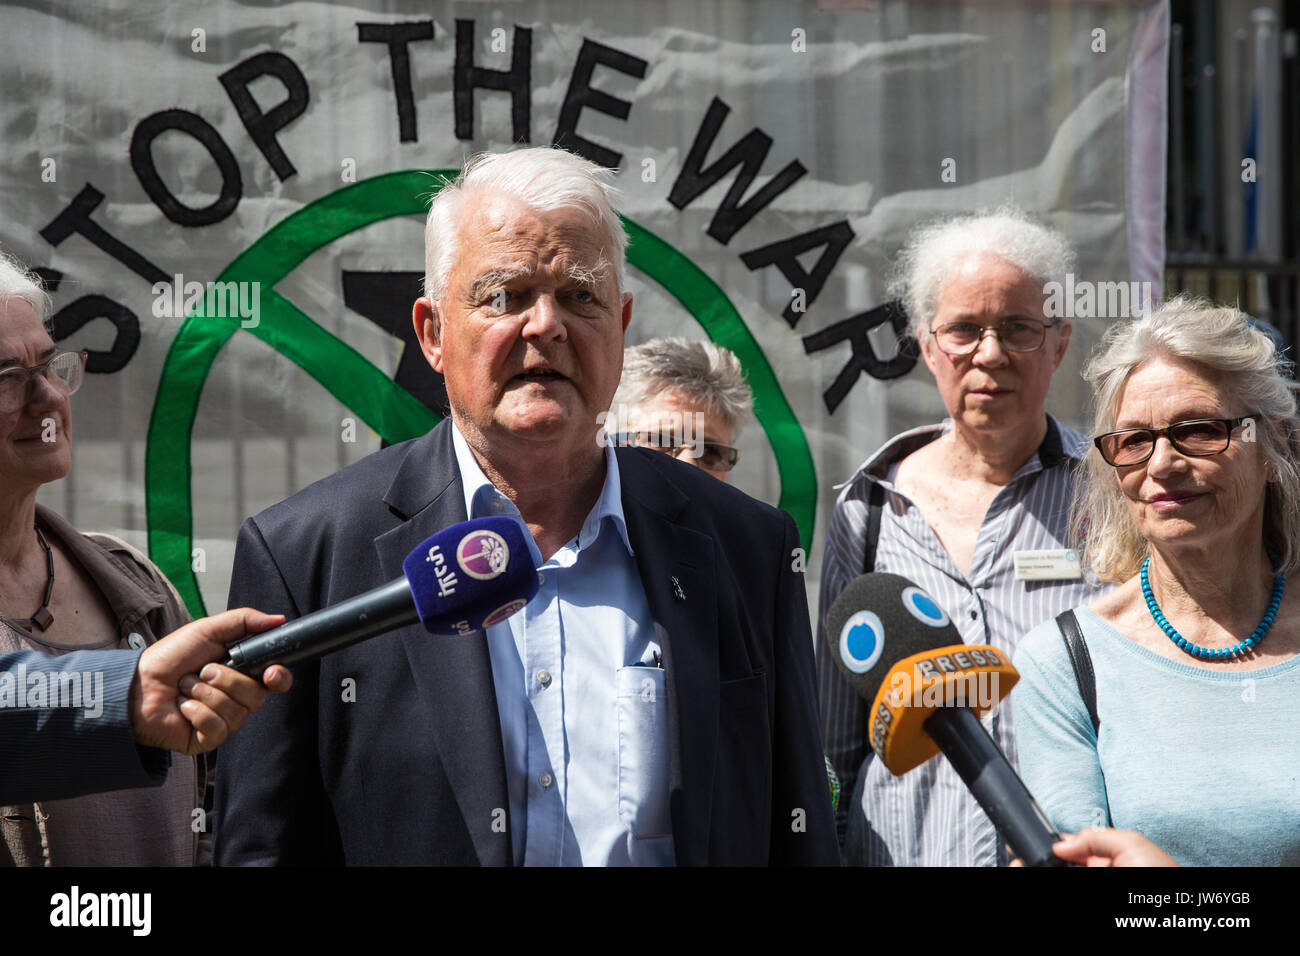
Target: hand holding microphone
(927,690)
(463,579)
(1109,847)
(174,708)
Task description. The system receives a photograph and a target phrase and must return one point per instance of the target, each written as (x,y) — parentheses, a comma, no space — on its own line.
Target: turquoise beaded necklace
(1222,653)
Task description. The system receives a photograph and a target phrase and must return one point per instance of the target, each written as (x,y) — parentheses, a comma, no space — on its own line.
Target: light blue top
(584,721)
(1206,764)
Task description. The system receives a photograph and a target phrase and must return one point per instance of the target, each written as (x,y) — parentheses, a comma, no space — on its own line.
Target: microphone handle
(989,776)
(381,609)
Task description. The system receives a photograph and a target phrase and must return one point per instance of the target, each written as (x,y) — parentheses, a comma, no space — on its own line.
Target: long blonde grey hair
(1232,352)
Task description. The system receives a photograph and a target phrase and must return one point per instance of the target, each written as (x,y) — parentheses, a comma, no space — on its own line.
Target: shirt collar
(129,598)
(1052,451)
(482,498)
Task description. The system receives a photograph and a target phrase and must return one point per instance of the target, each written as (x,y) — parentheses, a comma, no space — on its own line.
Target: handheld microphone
(463,579)
(900,652)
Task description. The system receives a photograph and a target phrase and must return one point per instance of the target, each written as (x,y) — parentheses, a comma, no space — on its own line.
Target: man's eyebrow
(589,275)
(9,360)
(490,281)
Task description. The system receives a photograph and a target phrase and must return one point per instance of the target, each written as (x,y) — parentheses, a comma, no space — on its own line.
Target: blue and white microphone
(463,579)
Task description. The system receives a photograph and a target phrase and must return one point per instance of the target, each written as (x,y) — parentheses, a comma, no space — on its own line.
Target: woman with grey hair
(973,509)
(1178,720)
(63,591)
(687,398)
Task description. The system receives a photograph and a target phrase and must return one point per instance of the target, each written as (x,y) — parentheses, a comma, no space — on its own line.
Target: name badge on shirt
(1061,564)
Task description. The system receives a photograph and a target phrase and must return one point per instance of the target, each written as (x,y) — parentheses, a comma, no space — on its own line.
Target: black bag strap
(1081,661)
(875,505)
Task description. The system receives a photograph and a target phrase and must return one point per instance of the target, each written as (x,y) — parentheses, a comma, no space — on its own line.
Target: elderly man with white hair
(654,703)
(974,510)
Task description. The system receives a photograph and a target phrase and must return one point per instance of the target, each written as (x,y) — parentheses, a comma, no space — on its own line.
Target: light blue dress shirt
(584,718)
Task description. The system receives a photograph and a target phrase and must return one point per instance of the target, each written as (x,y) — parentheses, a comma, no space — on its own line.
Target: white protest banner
(226,201)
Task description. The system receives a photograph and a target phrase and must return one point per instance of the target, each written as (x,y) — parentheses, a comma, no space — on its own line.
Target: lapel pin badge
(677,589)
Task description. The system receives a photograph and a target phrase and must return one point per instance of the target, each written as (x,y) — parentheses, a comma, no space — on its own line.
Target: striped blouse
(927,817)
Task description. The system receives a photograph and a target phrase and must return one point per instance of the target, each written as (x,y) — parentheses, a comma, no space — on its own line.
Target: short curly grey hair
(18,282)
(1222,341)
(933,253)
(703,373)
(543,178)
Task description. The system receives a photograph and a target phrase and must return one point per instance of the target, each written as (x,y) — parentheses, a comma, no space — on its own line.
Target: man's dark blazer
(390,752)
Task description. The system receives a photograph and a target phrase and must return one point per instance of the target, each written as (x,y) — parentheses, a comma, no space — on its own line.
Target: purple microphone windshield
(472,575)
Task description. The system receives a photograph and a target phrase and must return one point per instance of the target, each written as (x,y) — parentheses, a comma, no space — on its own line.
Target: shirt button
(543,677)
(135,640)
(497,505)
(541,577)
(545,780)
(974,615)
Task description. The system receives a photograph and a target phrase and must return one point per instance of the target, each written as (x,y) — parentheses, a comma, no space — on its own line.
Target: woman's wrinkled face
(35,444)
(1181,499)
(993,390)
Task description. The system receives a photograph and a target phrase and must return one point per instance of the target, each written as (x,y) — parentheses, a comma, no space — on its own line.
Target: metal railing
(1268,290)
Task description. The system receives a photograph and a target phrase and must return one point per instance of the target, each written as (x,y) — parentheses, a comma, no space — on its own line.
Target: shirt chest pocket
(642,714)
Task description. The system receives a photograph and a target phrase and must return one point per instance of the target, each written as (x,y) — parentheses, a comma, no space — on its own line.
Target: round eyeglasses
(1014,335)
(63,370)
(1197,438)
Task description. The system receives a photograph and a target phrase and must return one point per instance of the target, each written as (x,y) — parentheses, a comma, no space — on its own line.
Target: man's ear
(627,310)
(428,330)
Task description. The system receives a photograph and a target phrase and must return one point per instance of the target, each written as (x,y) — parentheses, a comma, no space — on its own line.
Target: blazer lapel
(677,565)
(453,674)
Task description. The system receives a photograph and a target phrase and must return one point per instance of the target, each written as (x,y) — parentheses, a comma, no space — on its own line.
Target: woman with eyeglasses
(685,398)
(1191,504)
(973,509)
(63,591)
